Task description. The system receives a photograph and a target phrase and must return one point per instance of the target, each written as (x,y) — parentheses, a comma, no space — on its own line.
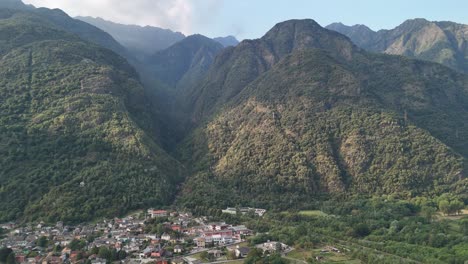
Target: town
(156,236)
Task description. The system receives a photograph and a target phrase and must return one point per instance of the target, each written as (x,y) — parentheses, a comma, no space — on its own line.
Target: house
(178,249)
(272,246)
(217,226)
(242,252)
(215,253)
(74,255)
(155,254)
(241,230)
(53,260)
(166,237)
(244,210)
(200,241)
(176,228)
(20,258)
(66,251)
(157,213)
(98,261)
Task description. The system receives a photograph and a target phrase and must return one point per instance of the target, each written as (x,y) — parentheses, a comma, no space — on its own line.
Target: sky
(249,19)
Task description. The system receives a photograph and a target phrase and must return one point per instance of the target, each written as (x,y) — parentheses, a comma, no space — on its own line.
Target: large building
(157,213)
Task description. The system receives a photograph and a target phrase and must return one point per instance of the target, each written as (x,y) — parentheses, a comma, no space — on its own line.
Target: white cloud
(179,15)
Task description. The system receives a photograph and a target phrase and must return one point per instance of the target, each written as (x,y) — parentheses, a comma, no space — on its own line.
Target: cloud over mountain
(179,15)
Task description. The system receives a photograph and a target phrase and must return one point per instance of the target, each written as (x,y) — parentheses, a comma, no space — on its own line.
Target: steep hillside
(236,67)
(76,139)
(442,42)
(323,117)
(184,62)
(140,41)
(61,20)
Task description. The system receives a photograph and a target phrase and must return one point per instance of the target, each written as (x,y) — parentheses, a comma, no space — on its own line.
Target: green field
(330,257)
(312,213)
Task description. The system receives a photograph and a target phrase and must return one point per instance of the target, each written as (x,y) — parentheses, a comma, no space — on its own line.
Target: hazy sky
(252,18)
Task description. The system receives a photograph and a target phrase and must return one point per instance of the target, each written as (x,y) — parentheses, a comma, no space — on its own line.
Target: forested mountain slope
(315,114)
(77,140)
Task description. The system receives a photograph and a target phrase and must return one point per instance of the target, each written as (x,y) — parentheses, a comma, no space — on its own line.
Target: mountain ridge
(443,42)
(316,119)
(141,41)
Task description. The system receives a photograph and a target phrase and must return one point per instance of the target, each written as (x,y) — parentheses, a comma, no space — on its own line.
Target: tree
(42,242)
(464,226)
(104,253)
(456,206)
(11,258)
(4,252)
(444,206)
(94,250)
(428,212)
(122,254)
(361,230)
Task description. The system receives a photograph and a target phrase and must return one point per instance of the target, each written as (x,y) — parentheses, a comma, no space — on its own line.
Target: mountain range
(148,40)
(142,41)
(304,112)
(442,42)
(88,129)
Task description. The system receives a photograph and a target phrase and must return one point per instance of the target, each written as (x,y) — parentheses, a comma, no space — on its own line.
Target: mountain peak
(292,26)
(301,34)
(228,41)
(413,24)
(14,4)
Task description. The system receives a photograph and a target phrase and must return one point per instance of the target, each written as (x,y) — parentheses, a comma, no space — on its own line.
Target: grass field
(330,257)
(312,213)
(236,261)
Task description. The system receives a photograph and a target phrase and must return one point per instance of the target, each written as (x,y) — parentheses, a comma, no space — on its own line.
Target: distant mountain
(229,41)
(442,42)
(302,112)
(142,41)
(78,139)
(361,35)
(184,62)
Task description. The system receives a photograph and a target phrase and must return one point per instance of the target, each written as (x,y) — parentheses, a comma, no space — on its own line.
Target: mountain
(442,42)
(61,20)
(361,35)
(142,41)
(236,67)
(78,139)
(227,41)
(15,4)
(184,62)
(170,73)
(302,113)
